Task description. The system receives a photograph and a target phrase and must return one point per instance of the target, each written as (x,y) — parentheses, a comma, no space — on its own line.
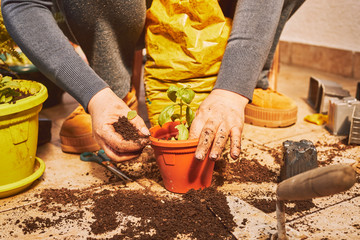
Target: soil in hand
(126,129)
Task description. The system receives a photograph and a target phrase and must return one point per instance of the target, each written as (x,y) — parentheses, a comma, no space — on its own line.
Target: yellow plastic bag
(185,41)
(317,118)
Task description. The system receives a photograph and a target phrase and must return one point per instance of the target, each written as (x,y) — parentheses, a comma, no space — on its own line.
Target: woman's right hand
(105,108)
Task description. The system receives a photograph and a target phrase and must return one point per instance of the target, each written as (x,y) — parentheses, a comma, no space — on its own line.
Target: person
(108,32)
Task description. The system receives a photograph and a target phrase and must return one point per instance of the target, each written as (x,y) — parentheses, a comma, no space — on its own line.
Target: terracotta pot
(179,169)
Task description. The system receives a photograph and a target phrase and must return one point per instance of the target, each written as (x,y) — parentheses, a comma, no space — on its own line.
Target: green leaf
(186,94)
(171,93)
(190,115)
(131,114)
(8,99)
(13,84)
(183,132)
(2,99)
(6,79)
(165,114)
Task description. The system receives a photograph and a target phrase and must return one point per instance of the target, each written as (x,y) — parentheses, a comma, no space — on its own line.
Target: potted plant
(20,104)
(175,153)
(14,63)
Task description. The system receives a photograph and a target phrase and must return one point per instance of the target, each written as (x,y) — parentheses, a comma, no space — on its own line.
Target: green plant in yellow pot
(20,104)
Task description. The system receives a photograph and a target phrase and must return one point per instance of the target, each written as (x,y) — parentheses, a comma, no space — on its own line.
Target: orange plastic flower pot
(179,169)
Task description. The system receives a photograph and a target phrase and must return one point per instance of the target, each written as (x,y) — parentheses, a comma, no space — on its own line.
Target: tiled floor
(333,217)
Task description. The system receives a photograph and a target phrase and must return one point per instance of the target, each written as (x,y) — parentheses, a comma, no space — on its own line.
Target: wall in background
(324,35)
(327,23)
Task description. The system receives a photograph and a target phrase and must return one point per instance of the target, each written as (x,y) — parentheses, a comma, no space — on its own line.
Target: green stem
(181,105)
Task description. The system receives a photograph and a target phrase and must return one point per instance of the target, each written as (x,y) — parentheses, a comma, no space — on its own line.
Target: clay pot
(179,169)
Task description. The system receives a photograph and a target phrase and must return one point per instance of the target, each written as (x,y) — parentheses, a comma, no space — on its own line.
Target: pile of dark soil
(192,215)
(126,129)
(243,170)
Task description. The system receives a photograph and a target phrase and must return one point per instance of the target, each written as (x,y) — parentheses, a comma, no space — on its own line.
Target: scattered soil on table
(192,215)
(269,205)
(143,167)
(277,154)
(243,170)
(126,129)
(293,207)
(329,151)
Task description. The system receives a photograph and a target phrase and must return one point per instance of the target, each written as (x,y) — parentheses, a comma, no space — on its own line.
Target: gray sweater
(108,31)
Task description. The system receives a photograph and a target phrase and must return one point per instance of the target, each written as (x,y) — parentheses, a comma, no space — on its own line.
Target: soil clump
(126,129)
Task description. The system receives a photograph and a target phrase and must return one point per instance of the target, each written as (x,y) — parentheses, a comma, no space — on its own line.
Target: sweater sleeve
(34,29)
(253,31)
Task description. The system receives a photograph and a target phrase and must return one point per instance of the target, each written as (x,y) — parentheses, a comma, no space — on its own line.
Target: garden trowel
(302,180)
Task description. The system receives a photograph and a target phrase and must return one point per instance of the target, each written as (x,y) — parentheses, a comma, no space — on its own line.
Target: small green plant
(11,91)
(182,97)
(7,92)
(131,114)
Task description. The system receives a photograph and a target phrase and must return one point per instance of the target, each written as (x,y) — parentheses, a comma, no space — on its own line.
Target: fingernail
(213,157)
(199,157)
(145,131)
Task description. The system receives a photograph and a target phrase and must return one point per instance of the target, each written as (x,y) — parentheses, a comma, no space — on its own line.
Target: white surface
(328,23)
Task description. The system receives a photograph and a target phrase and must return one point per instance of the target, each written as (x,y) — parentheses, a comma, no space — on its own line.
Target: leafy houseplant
(179,169)
(21,102)
(11,91)
(14,63)
(7,46)
(182,97)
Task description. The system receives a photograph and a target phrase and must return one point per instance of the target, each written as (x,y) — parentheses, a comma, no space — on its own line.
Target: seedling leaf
(183,132)
(6,79)
(131,114)
(190,115)
(8,99)
(186,94)
(165,114)
(171,93)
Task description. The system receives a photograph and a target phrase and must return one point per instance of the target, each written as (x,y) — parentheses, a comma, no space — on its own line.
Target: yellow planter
(18,140)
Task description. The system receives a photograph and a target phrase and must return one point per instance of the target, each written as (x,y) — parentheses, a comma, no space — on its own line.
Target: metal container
(354,136)
(340,115)
(322,91)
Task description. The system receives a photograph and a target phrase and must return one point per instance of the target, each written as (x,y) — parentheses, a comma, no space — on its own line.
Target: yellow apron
(185,42)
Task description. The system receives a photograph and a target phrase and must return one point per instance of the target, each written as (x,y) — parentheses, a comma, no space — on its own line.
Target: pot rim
(25,103)
(171,143)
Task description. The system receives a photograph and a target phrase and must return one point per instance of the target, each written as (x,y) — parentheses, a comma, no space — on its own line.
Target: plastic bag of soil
(185,41)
